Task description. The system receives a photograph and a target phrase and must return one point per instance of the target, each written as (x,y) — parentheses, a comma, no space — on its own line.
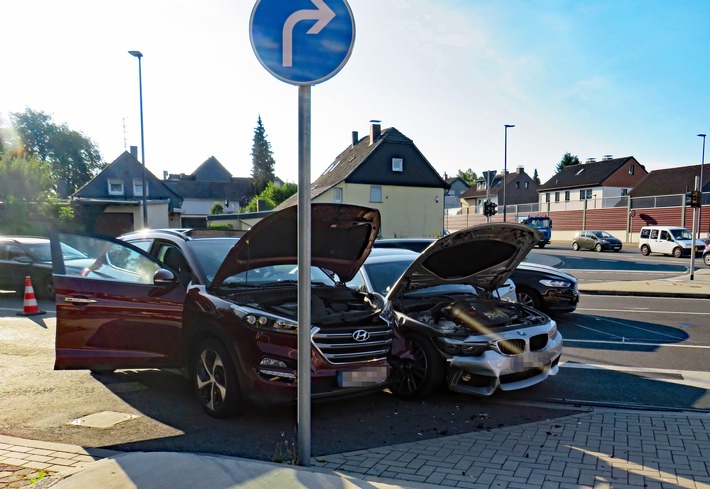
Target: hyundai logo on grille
(361,335)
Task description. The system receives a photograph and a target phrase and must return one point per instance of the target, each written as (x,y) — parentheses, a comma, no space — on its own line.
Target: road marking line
(690,377)
(637,343)
(644,310)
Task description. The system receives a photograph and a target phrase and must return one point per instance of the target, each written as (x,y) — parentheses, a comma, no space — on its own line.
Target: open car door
(116,308)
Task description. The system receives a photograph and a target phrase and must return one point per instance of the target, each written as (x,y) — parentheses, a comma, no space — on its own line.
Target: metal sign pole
(695,233)
(304,275)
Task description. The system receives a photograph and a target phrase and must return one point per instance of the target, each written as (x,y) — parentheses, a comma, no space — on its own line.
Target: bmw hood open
(341,239)
(483,256)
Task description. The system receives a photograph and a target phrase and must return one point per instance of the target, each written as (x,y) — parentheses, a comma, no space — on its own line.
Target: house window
(585,194)
(397,164)
(527,184)
(567,196)
(375,193)
(517,184)
(624,191)
(338,195)
(557,196)
(631,169)
(138,187)
(547,197)
(115,186)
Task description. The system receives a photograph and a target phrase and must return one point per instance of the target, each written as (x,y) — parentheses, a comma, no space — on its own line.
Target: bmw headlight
(553,330)
(259,320)
(555,283)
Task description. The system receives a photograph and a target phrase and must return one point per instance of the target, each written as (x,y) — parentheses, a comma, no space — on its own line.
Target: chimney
(356,138)
(165,174)
(608,157)
(134,151)
(591,160)
(521,170)
(374,131)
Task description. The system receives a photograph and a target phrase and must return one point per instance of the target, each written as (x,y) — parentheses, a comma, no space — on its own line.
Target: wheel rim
(412,370)
(575,246)
(525,299)
(211,380)
(599,247)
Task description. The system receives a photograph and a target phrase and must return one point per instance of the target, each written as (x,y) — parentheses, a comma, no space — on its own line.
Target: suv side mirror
(164,277)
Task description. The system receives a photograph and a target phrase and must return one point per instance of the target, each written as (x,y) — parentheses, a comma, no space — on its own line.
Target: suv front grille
(339,346)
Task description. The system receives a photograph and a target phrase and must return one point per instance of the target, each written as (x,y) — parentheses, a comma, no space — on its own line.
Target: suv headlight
(260,320)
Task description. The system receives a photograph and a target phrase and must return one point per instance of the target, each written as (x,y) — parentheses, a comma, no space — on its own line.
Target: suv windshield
(210,253)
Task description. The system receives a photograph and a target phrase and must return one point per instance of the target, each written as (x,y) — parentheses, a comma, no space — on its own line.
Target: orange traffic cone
(30,306)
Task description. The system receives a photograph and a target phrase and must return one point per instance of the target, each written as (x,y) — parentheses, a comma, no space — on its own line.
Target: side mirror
(164,277)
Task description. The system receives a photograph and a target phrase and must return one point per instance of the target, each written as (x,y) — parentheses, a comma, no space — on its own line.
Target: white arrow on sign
(323,15)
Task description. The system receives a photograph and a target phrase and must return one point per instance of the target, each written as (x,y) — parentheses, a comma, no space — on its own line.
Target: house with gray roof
(598,183)
(111,203)
(519,187)
(386,171)
(211,182)
(671,181)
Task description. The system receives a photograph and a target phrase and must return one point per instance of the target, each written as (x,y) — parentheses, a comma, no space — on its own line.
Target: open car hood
(484,256)
(341,239)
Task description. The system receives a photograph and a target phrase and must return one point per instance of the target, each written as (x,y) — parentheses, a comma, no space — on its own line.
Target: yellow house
(385,171)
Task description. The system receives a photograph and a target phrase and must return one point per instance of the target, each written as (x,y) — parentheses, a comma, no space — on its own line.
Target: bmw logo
(361,335)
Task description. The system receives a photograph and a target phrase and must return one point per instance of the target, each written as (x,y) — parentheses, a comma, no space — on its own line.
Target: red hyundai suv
(226,308)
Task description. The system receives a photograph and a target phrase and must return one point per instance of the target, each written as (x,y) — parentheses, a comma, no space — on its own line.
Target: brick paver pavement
(605,448)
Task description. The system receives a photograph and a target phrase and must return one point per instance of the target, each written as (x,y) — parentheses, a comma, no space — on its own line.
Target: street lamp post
(700,209)
(505,170)
(139,55)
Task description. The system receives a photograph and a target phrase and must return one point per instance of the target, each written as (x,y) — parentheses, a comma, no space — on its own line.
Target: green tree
(262,159)
(73,157)
(272,195)
(217,208)
(468,176)
(536,177)
(567,160)
(26,190)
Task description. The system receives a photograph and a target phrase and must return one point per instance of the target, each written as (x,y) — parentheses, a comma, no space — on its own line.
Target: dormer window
(631,169)
(115,186)
(397,164)
(138,187)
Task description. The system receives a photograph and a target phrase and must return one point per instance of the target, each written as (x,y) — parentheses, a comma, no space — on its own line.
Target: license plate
(363,377)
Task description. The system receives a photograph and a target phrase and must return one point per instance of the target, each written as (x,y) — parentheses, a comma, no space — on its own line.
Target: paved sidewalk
(602,448)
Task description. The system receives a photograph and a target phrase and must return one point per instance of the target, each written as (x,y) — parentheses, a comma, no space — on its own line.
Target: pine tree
(536,177)
(262,159)
(568,159)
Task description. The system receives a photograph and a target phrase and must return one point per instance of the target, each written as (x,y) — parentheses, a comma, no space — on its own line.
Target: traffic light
(492,209)
(487,208)
(695,198)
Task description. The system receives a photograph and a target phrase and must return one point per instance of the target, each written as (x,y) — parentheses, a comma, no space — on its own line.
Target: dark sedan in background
(29,256)
(595,240)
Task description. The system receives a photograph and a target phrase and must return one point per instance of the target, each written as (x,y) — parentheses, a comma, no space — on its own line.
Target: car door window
(107,259)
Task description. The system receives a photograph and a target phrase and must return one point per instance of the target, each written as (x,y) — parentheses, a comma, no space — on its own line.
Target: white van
(669,240)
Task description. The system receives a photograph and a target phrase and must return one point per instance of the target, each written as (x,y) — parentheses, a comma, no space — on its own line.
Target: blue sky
(626,78)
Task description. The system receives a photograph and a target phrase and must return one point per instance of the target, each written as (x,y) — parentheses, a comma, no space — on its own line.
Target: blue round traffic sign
(302,42)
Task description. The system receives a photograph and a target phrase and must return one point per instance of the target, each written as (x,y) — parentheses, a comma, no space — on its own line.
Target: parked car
(595,240)
(668,240)
(548,289)
(706,256)
(234,325)
(545,288)
(27,256)
(455,328)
